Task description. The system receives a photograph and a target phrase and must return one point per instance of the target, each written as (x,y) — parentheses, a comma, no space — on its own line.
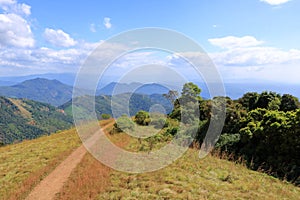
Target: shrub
(142,118)
(105,116)
(123,123)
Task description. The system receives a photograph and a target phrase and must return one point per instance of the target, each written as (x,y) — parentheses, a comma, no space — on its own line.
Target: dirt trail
(53,183)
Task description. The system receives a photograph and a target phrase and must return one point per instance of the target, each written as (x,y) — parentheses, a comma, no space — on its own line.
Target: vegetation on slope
(23,165)
(22,119)
(262,128)
(187,178)
(116,105)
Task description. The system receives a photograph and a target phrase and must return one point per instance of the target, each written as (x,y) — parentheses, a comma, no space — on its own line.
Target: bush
(142,118)
(172,130)
(105,116)
(123,123)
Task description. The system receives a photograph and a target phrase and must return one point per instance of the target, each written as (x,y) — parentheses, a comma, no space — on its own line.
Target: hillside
(27,163)
(22,119)
(137,102)
(39,89)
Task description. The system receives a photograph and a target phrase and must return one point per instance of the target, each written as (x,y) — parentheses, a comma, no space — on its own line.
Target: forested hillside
(25,119)
(263,129)
(106,104)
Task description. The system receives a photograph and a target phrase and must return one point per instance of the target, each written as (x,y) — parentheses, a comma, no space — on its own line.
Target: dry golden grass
(23,165)
(88,180)
(90,177)
(192,178)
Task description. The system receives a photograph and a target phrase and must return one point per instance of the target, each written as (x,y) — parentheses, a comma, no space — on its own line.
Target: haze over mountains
(234,89)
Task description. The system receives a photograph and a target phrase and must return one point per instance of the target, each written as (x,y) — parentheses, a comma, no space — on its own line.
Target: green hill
(39,89)
(22,119)
(103,104)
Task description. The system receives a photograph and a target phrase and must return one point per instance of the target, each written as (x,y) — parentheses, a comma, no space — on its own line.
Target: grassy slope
(188,178)
(23,165)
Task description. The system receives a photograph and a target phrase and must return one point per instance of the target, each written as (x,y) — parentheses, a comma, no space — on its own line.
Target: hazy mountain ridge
(116,105)
(43,90)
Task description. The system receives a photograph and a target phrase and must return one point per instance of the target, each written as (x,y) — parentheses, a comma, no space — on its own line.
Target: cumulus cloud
(15,31)
(14,27)
(107,23)
(275,2)
(255,56)
(12,6)
(59,38)
(247,51)
(231,42)
(248,59)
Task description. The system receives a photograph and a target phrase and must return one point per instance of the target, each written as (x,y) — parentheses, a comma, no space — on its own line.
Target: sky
(248,40)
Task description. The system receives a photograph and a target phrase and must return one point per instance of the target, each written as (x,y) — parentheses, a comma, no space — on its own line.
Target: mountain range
(56,93)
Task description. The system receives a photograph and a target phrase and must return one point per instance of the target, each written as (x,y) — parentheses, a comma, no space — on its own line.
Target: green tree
(190,92)
(172,95)
(249,100)
(142,118)
(289,103)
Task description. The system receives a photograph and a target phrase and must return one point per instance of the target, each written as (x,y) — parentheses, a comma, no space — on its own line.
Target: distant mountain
(22,119)
(66,78)
(103,104)
(39,89)
(139,88)
(118,88)
(7,83)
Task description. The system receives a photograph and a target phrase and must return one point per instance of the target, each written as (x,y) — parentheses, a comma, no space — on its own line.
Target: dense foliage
(25,119)
(263,129)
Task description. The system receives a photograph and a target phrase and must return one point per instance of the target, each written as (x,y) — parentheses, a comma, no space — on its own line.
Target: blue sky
(247,40)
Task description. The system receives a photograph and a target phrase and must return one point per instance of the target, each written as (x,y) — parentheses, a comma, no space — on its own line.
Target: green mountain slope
(26,119)
(105,103)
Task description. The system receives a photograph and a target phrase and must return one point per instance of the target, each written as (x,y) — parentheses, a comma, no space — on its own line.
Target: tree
(289,103)
(190,92)
(249,100)
(265,98)
(172,96)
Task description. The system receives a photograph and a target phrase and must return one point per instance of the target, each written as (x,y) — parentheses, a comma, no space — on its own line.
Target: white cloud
(253,56)
(15,31)
(247,51)
(250,60)
(12,6)
(275,2)
(107,22)
(231,42)
(59,38)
